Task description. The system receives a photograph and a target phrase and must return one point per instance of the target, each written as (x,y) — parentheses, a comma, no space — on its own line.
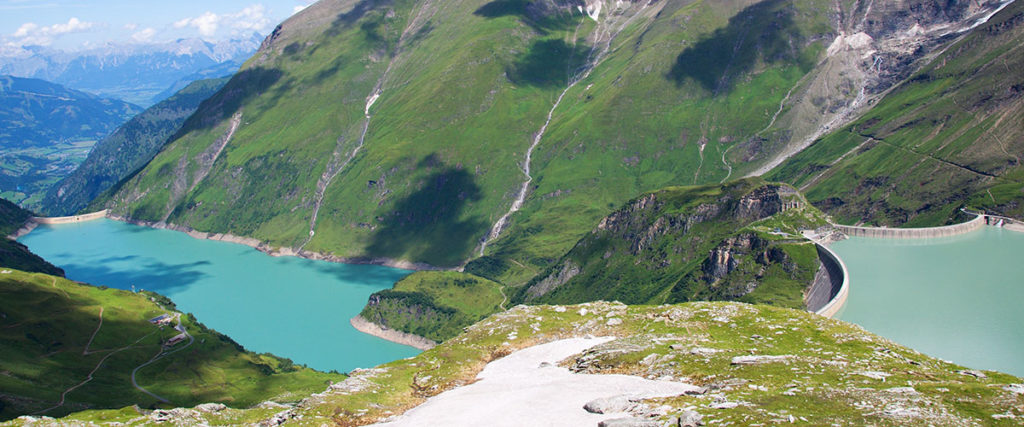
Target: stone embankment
(831,285)
(35,221)
(379,331)
(833,281)
(70,219)
(276,251)
(914,233)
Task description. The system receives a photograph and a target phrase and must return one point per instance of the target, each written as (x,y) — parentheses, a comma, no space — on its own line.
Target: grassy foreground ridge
(826,372)
(67,347)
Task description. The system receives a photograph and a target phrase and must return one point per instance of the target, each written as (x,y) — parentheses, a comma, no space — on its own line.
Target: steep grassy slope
(435,305)
(13,254)
(826,372)
(66,347)
(126,150)
(399,129)
(738,241)
(46,130)
(949,137)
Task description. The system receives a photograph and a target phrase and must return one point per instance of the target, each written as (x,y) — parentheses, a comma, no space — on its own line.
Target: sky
(73,25)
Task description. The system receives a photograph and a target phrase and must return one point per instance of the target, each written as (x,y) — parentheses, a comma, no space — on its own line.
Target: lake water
(957,298)
(288,306)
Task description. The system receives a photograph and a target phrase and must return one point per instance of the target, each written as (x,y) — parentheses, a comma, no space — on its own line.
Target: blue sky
(71,25)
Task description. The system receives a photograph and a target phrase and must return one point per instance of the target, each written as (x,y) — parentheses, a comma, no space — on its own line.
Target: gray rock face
(690,419)
(628,422)
(211,407)
(757,360)
(606,405)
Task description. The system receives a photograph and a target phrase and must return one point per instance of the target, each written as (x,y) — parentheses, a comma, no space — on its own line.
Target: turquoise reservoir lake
(957,298)
(288,306)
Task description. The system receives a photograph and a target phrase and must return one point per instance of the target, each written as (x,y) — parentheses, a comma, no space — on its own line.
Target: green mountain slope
(949,137)
(824,372)
(739,241)
(13,254)
(435,305)
(67,347)
(401,129)
(126,150)
(46,130)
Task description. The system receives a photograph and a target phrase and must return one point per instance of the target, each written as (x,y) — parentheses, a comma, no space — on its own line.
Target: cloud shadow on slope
(763,32)
(427,225)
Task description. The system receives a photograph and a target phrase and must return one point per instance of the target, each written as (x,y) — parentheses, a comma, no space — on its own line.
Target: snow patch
(528,385)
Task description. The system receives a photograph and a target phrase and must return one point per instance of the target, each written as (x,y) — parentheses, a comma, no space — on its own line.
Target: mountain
(438,132)
(68,347)
(751,365)
(46,130)
(140,73)
(948,137)
(734,242)
(13,254)
(126,150)
(740,241)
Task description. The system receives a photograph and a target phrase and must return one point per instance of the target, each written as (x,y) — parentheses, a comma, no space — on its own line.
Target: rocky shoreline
(25,229)
(379,331)
(275,251)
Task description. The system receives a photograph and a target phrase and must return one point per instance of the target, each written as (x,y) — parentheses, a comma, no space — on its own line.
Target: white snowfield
(518,391)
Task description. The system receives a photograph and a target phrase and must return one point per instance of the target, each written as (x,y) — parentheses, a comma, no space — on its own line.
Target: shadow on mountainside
(542,19)
(763,32)
(548,63)
(427,225)
(246,85)
(361,9)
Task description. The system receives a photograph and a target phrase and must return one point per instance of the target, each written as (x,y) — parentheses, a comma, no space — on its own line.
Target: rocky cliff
(732,242)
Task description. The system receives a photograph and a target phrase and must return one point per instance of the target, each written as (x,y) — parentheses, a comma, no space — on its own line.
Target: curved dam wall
(831,286)
(69,219)
(914,233)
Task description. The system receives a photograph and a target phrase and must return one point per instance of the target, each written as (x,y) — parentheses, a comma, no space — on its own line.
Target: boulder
(606,405)
(690,419)
(628,422)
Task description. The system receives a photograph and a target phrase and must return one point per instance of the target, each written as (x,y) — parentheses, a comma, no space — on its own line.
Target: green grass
(821,383)
(44,342)
(435,304)
(467,89)
(659,248)
(948,137)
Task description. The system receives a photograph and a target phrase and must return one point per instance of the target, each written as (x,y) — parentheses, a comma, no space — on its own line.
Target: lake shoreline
(277,251)
(398,337)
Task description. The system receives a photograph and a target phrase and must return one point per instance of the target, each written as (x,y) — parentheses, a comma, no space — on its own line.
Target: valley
(656,178)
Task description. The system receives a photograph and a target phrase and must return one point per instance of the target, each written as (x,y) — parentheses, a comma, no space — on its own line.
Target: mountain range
(46,130)
(564,151)
(493,135)
(143,74)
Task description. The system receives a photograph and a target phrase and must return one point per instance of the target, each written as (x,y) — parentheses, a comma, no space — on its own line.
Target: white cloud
(206,23)
(131,27)
(25,29)
(298,9)
(31,33)
(252,18)
(144,35)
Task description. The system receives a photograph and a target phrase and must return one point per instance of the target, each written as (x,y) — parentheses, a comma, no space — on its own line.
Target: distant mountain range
(129,148)
(47,129)
(143,74)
